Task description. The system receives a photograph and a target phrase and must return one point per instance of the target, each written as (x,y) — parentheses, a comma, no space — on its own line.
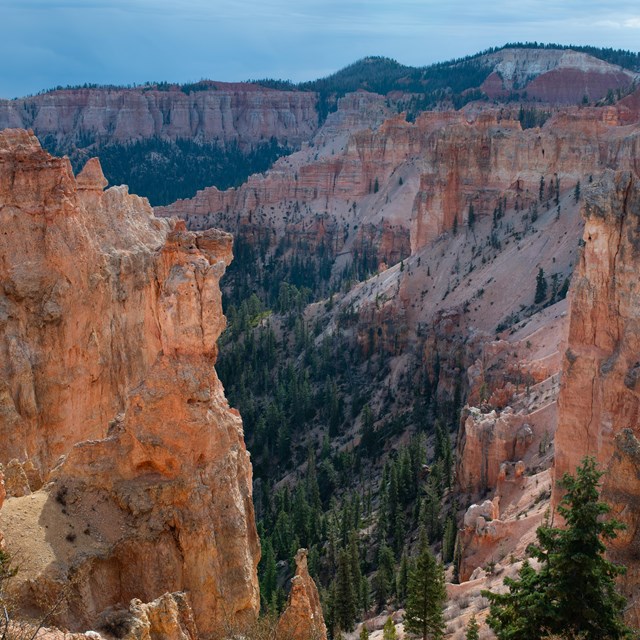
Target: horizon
(115,42)
(296,84)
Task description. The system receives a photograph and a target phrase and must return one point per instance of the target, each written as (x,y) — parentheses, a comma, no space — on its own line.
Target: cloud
(51,42)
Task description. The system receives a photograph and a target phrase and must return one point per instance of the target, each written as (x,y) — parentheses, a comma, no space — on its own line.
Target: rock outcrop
(599,403)
(169,617)
(108,325)
(302,619)
(225,112)
(553,76)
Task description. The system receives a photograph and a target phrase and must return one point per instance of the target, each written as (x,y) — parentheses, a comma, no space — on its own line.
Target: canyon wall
(599,403)
(224,112)
(108,325)
(419,179)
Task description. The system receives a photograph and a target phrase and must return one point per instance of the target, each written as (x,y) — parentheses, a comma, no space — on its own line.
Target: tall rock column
(599,403)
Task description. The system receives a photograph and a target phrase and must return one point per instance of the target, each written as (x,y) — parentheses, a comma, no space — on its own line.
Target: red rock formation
(169,617)
(599,404)
(302,619)
(487,441)
(108,325)
(245,113)
(553,76)
(418,179)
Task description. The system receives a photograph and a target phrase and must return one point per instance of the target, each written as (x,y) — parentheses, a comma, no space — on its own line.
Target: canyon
(122,460)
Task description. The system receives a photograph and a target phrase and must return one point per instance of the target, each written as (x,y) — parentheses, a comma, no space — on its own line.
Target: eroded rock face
(416,180)
(169,617)
(108,325)
(599,403)
(302,619)
(487,441)
(226,112)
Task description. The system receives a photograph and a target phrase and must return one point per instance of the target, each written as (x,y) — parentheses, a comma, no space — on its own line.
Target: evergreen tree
(268,573)
(574,590)
(389,630)
(471,219)
(472,630)
(368,440)
(449,540)
(345,603)
(364,634)
(427,594)
(402,579)
(457,559)
(541,287)
(576,192)
(384,578)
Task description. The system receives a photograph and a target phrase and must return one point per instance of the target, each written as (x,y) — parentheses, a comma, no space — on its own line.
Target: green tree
(471,219)
(364,634)
(383,581)
(472,631)
(345,603)
(268,573)
(427,594)
(541,287)
(576,192)
(574,590)
(389,630)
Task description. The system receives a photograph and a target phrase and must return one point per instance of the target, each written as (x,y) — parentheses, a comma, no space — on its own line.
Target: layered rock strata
(108,325)
(224,112)
(420,179)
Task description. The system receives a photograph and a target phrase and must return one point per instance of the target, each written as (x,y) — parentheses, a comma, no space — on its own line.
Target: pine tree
(449,539)
(402,579)
(457,559)
(364,634)
(541,287)
(368,439)
(472,630)
(427,594)
(576,192)
(471,219)
(345,603)
(389,630)
(268,573)
(384,578)
(574,591)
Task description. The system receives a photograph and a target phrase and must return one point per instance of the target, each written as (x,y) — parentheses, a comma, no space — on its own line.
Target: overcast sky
(45,43)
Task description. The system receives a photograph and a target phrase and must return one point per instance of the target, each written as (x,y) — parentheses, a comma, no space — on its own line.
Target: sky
(46,43)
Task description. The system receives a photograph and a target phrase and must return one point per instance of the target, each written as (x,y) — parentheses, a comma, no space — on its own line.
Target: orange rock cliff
(108,325)
(599,402)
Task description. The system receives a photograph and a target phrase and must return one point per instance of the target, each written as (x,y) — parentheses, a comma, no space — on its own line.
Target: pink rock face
(302,619)
(108,325)
(244,113)
(599,403)
(415,180)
